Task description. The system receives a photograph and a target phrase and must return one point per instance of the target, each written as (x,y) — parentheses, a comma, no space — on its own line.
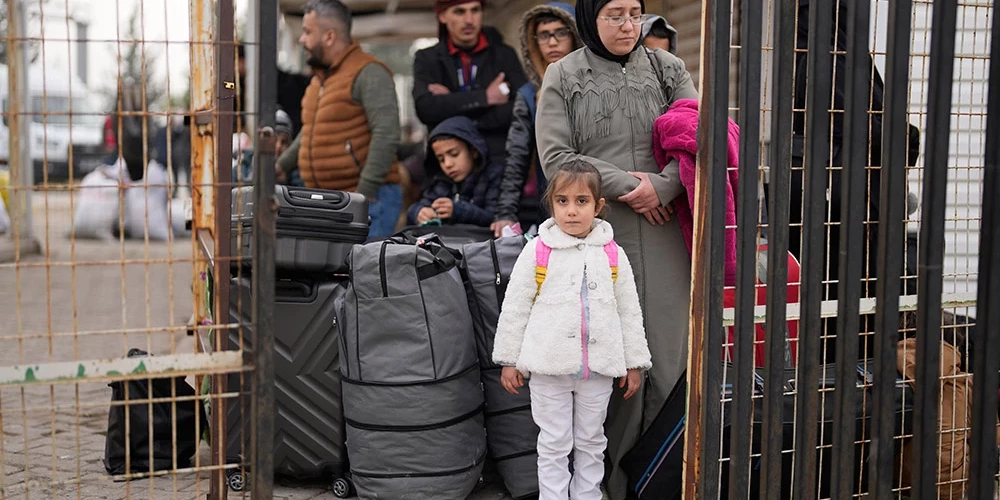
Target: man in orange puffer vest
(350,118)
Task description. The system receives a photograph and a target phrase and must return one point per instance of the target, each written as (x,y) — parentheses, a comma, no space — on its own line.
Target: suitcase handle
(335,200)
(294,291)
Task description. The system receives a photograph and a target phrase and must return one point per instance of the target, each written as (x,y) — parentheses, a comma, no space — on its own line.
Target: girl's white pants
(570,417)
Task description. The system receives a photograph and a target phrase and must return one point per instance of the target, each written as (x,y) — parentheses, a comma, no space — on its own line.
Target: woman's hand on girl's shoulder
(511,379)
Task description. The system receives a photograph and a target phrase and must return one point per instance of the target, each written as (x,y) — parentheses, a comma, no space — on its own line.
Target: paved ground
(53,435)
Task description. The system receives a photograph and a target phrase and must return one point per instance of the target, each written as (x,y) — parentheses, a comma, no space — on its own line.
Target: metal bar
(986,331)
(703,434)
(777,245)
(819,70)
(931,252)
(120,368)
(263,276)
(866,305)
(746,244)
(225,97)
(203,172)
(853,204)
(713,163)
(892,212)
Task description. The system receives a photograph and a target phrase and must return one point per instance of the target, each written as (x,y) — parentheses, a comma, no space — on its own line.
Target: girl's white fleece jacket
(542,335)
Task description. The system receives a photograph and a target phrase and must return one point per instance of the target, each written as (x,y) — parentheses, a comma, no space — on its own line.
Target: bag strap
(611,248)
(528,92)
(542,252)
(659,74)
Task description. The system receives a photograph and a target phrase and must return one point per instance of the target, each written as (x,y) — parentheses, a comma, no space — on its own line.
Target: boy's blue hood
(459,127)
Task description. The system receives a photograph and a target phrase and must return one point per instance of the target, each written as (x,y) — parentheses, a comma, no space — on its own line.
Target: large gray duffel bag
(511,433)
(413,403)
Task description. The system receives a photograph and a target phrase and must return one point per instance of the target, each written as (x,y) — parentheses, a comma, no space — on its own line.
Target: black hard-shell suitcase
(308,414)
(314,231)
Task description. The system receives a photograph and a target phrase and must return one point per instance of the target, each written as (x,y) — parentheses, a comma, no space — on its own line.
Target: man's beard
(315,58)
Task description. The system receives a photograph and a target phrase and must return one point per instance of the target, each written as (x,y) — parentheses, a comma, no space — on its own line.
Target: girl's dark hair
(541,19)
(572,172)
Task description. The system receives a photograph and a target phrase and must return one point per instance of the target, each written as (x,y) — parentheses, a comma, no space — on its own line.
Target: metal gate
(858,413)
(117,178)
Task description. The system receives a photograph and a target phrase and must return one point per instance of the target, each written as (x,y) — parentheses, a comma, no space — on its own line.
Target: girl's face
(455,157)
(619,40)
(574,208)
(554,39)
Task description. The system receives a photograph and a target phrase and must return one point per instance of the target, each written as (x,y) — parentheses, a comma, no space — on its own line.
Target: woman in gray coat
(598,104)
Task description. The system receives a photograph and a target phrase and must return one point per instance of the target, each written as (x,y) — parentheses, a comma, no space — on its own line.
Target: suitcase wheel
(235,480)
(342,487)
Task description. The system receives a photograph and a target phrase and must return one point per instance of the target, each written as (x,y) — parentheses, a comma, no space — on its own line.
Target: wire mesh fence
(871,169)
(121,144)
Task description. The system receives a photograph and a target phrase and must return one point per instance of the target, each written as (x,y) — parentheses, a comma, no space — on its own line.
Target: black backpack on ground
(130,409)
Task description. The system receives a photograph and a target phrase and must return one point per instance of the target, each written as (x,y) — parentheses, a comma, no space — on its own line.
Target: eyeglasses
(559,34)
(620,20)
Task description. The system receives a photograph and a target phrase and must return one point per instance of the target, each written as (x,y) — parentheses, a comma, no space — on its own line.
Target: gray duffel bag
(511,433)
(413,404)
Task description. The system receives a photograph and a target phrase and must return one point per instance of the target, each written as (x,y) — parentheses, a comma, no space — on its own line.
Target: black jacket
(436,65)
(475,197)
(521,154)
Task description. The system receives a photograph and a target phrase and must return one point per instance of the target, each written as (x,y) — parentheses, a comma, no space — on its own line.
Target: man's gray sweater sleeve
(289,160)
(375,90)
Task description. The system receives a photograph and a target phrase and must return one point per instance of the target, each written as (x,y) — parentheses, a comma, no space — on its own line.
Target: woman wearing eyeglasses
(598,105)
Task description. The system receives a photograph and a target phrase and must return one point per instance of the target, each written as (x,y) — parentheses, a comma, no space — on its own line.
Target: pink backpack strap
(542,252)
(611,248)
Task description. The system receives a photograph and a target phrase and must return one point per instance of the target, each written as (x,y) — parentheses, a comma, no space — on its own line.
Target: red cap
(443,5)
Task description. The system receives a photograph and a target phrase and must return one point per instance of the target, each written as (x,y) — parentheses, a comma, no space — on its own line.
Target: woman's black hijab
(586,22)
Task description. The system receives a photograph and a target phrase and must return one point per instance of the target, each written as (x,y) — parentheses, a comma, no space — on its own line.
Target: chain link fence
(122,140)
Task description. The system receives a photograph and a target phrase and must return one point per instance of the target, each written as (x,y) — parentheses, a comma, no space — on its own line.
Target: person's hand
(438,89)
(633,380)
(497,227)
(658,216)
(511,379)
(493,95)
(279,174)
(444,207)
(425,214)
(643,198)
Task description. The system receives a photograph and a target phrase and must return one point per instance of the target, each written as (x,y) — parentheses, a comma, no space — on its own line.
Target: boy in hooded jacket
(463,182)
(657,33)
(548,33)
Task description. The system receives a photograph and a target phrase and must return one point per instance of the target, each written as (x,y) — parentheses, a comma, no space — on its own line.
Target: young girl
(571,320)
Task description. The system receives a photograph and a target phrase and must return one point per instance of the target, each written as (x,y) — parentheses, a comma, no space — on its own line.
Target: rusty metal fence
(852,376)
(121,123)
